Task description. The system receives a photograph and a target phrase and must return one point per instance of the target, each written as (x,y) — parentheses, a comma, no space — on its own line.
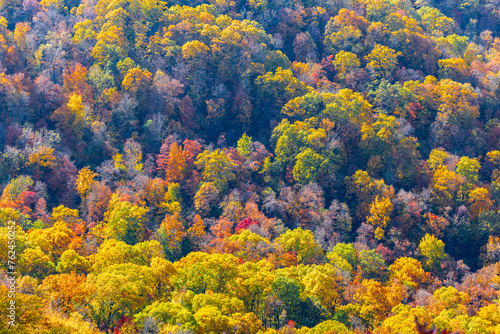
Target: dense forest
(260,166)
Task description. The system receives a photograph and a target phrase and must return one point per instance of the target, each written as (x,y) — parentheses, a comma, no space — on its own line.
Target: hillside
(248,167)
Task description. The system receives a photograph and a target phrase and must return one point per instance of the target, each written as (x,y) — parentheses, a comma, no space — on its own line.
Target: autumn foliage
(250,167)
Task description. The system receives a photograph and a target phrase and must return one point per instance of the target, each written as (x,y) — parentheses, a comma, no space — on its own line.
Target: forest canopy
(260,166)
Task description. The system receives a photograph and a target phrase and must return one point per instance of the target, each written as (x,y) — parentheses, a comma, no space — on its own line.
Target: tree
(373,301)
(206,197)
(138,82)
(469,169)
(344,257)
(66,292)
(403,318)
(111,45)
(307,167)
(54,240)
(455,69)
(33,261)
(372,264)
(380,211)
(120,290)
(458,103)
(345,32)
(418,50)
(75,82)
(164,271)
(171,162)
(274,90)
(435,22)
(73,116)
(301,242)
(244,144)
(28,305)
(200,272)
(479,201)
(325,283)
(437,224)
(217,168)
(125,222)
(409,271)
(197,53)
(72,262)
(84,181)
(97,200)
(287,290)
(382,61)
(112,252)
(445,185)
(345,62)
(174,229)
(433,251)
(304,47)
(348,106)
(255,286)
(364,188)
(170,313)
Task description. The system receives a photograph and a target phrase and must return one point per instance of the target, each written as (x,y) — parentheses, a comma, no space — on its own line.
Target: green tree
(302,243)
(120,290)
(469,169)
(217,168)
(125,222)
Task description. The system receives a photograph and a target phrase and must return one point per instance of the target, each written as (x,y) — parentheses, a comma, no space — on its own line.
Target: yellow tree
(173,163)
(458,103)
(120,290)
(53,240)
(254,285)
(84,181)
(206,197)
(374,301)
(164,271)
(137,80)
(323,282)
(382,61)
(174,229)
(344,62)
(70,217)
(217,168)
(479,201)
(73,116)
(72,262)
(196,53)
(409,271)
(345,32)
(200,272)
(302,243)
(42,157)
(66,292)
(433,251)
(445,185)
(365,188)
(125,222)
(402,320)
(380,211)
(111,41)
